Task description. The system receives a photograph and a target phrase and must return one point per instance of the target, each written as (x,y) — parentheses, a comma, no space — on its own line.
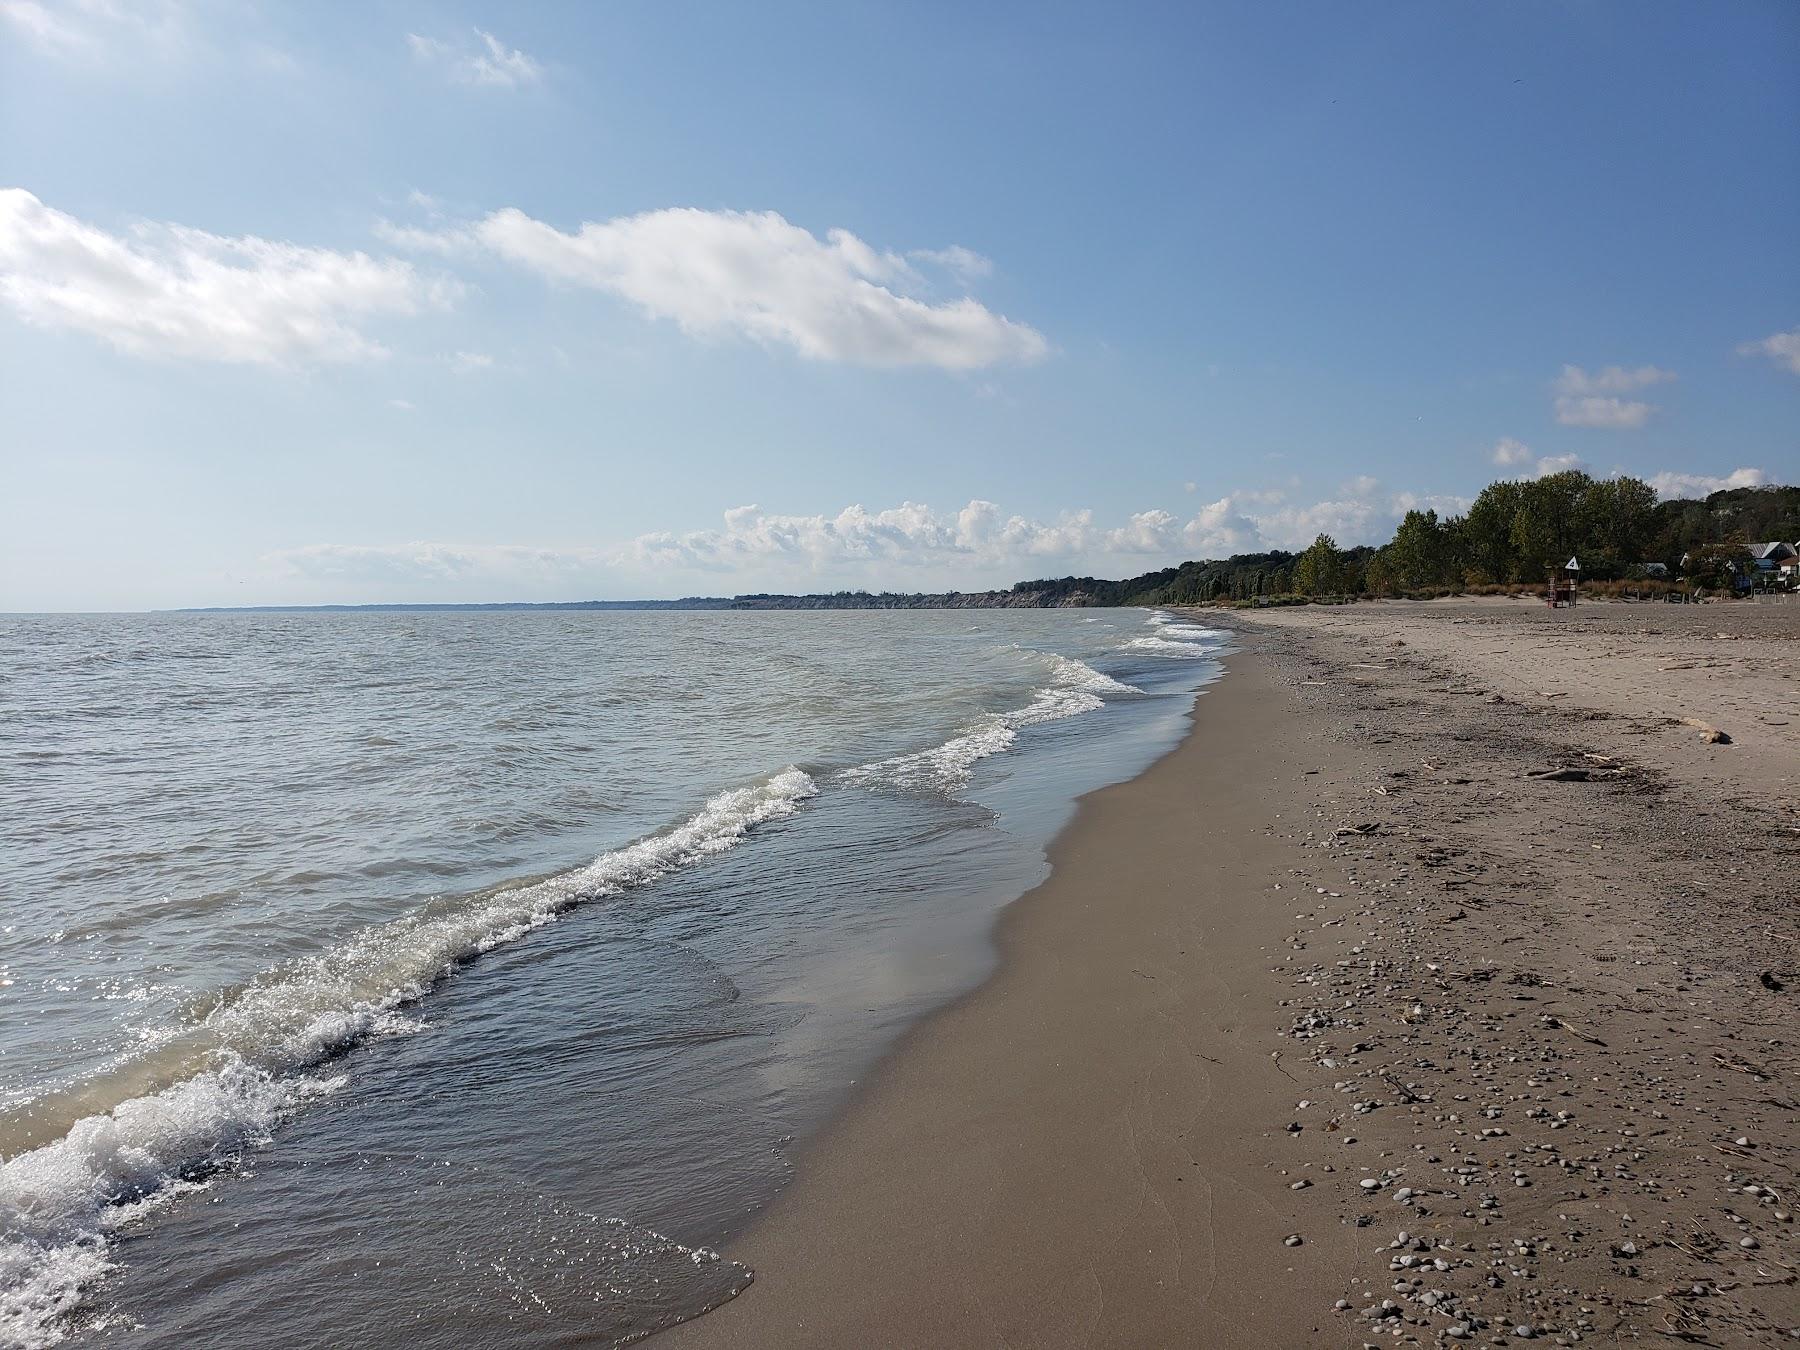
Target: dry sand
(1440,988)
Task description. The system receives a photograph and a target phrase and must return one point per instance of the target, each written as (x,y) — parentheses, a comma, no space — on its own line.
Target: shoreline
(1249,1031)
(989,1216)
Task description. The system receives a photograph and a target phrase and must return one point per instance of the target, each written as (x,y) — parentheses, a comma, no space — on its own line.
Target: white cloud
(907,547)
(418,239)
(1511,454)
(1220,529)
(1673,485)
(754,275)
(1549,464)
(964,264)
(1147,532)
(1361,513)
(92,29)
(469,363)
(1781,348)
(1614,414)
(1609,380)
(486,63)
(909,534)
(403,404)
(422,562)
(1590,398)
(1348,520)
(175,292)
(42,25)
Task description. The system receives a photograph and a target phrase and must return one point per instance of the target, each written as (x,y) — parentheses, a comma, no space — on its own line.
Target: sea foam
(947,768)
(1173,637)
(203,1098)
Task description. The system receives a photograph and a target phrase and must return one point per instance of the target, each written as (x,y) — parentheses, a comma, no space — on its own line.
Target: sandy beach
(1438,989)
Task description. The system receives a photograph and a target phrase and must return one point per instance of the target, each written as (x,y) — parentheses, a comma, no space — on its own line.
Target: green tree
(1321,569)
(1489,554)
(1420,553)
(1379,575)
(1546,528)
(1618,525)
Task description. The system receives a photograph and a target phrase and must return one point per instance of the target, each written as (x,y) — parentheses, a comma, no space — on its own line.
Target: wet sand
(1395,943)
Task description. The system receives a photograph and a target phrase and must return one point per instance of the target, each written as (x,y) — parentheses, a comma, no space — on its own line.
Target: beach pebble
(1370,1184)
(1292,1239)
(1747,1243)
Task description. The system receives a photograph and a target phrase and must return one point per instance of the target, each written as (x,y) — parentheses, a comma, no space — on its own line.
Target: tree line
(1514,533)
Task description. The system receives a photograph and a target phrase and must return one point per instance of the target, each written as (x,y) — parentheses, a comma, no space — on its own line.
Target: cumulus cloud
(1220,529)
(181,293)
(908,547)
(753,275)
(1781,348)
(1549,464)
(487,63)
(1147,532)
(909,534)
(1511,454)
(1671,485)
(1362,512)
(1591,398)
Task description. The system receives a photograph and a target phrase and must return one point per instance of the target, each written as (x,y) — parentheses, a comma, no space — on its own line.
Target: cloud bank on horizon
(908,547)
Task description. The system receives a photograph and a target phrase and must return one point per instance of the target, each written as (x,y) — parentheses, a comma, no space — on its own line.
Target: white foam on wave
(1192,648)
(1073,674)
(1175,637)
(947,768)
(228,1082)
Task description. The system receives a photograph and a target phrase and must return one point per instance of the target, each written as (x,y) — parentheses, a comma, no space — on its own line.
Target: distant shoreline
(846,600)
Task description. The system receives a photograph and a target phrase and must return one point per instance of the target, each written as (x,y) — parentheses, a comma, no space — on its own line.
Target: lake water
(468,977)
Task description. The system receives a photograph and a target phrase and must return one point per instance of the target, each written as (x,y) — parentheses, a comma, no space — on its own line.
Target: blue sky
(404,301)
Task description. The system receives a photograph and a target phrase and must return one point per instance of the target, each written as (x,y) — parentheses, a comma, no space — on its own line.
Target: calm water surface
(467,977)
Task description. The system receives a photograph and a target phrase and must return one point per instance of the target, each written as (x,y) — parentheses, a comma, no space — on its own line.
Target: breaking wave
(80,1164)
(947,768)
